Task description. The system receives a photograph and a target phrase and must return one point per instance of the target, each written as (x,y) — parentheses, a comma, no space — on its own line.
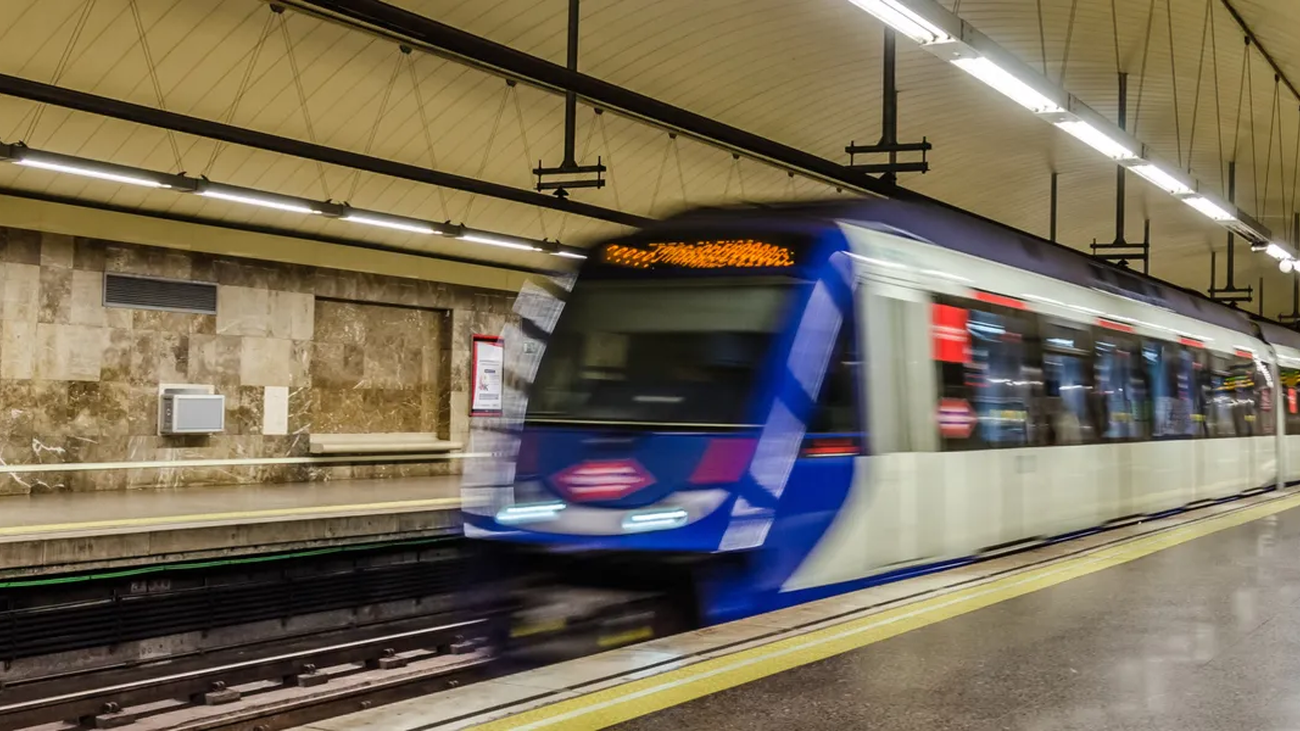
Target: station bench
(399,443)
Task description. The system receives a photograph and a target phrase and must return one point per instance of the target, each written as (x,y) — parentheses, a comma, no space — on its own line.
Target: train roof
(959,231)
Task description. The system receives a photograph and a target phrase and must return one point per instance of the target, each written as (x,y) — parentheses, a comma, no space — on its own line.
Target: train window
(837,409)
(1221,399)
(1067,393)
(1121,386)
(1187,370)
(1291,398)
(1266,423)
(1171,370)
(980,353)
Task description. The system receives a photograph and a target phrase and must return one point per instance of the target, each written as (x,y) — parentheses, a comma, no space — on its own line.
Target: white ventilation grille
(150,293)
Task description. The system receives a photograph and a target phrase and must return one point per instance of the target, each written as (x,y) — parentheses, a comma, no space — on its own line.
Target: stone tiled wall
(355,353)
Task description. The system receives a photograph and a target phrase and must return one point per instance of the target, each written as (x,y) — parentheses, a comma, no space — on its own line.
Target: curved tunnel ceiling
(806,74)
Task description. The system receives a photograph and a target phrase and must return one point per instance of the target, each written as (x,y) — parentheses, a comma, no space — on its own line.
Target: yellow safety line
(638,698)
(403,505)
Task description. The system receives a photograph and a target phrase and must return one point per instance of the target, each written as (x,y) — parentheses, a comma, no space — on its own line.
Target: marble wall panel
(291,315)
(21,292)
(86,299)
(243,311)
(17,349)
(20,246)
(265,362)
(68,352)
(79,381)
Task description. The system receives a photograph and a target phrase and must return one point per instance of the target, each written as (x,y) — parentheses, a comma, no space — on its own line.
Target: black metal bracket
(889,145)
(1122,253)
(1231,294)
(892,149)
(570,175)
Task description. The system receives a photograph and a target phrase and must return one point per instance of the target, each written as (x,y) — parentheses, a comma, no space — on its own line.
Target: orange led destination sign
(721,254)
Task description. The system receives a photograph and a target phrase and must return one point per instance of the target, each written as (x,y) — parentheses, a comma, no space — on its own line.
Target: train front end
(653,487)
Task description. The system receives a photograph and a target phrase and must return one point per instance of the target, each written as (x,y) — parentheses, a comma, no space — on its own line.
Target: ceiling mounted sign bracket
(569,174)
(889,147)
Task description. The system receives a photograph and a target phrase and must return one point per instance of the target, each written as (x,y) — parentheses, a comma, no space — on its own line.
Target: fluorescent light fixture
(1005,82)
(409,226)
(569,254)
(1277,252)
(497,241)
(655,520)
(1096,139)
(254,199)
(903,19)
(1286,265)
(530,512)
(90,172)
(1162,179)
(1209,208)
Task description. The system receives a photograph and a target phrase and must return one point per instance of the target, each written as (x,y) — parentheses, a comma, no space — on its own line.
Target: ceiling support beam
(126,111)
(406,27)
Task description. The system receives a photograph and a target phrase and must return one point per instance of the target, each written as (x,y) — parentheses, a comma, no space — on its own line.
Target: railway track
(259,688)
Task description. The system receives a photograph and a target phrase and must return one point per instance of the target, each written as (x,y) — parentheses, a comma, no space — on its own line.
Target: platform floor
(41,534)
(1204,635)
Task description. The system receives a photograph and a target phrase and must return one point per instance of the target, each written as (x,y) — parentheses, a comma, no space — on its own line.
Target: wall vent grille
(149,293)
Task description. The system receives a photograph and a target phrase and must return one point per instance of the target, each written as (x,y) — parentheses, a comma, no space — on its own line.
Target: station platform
(1187,622)
(76,532)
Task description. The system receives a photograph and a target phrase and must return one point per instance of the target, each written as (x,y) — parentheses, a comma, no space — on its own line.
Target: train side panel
(913,504)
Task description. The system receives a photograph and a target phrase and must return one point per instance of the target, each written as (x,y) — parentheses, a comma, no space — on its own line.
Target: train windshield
(660,351)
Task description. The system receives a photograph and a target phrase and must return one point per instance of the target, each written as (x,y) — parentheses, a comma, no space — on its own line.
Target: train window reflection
(1008,377)
(659,352)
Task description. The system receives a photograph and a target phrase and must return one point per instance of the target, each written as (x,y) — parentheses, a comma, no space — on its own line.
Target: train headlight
(654,520)
(530,512)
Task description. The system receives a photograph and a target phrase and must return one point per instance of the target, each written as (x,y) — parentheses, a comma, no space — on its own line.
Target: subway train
(741,409)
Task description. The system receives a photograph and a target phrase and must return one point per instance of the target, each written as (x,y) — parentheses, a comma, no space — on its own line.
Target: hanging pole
(1261,296)
(1146,246)
(571,97)
(889,109)
(1120,170)
(1232,198)
(1053,206)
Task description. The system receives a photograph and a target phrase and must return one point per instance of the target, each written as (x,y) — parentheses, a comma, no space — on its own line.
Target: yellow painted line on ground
(638,698)
(163,520)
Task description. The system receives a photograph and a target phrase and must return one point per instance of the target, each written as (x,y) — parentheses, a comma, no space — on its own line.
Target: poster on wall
(489,363)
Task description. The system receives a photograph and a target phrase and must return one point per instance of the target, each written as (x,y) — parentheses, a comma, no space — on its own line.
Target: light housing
(1158,177)
(257,198)
(1277,251)
(180,183)
(397,224)
(903,19)
(1095,138)
(86,169)
(494,240)
(1286,265)
(1006,83)
(1209,208)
